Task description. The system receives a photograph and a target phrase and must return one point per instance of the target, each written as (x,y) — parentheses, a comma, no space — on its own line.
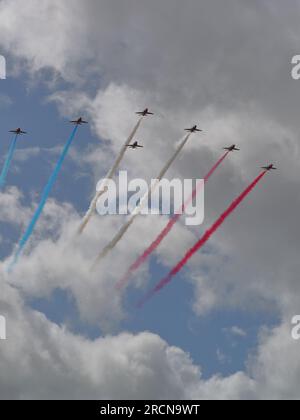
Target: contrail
(8,161)
(143,257)
(142,203)
(202,241)
(43,201)
(110,175)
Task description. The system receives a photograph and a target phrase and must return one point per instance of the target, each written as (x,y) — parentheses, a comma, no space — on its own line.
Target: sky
(221,326)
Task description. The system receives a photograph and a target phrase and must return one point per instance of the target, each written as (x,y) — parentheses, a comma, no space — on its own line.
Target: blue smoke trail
(8,161)
(42,203)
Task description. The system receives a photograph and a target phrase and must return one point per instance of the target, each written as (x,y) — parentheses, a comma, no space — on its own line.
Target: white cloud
(237,331)
(12,211)
(41,360)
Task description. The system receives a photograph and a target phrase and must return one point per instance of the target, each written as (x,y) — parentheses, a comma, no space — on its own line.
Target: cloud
(237,331)
(12,210)
(55,363)
(41,360)
(22,155)
(57,258)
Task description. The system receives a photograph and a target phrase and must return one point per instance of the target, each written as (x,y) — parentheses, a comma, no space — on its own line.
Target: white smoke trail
(110,175)
(141,205)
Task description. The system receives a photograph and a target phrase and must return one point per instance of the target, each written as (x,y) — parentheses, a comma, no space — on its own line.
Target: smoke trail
(8,161)
(142,203)
(215,166)
(202,241)
(143,257)
(110,175)
(43,201)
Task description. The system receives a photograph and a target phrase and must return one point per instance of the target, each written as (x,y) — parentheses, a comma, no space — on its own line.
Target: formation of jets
(136,145)
(193,129)
(18,131)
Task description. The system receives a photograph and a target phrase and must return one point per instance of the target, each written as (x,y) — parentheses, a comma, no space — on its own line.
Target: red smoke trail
(202,241)
(216,165)
(142,258)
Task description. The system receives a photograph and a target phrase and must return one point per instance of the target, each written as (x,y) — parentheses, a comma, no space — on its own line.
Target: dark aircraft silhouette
(269,167)
(193,129)
(144,113)
(231,148)
(79,121)
(135,145)
(18,131)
